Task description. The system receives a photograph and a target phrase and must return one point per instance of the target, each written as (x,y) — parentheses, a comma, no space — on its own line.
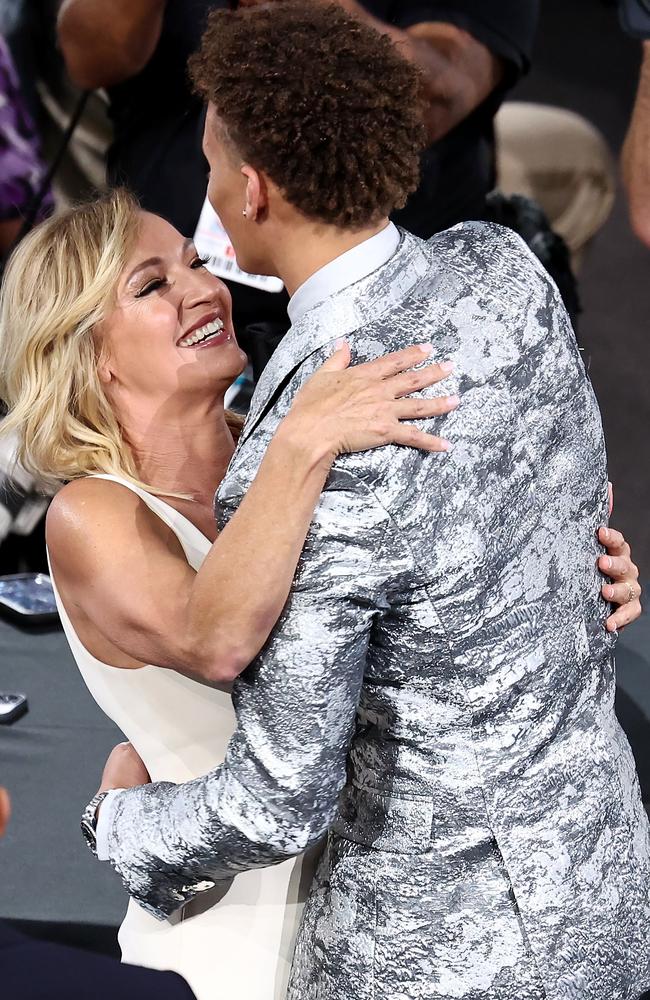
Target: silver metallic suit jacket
(438,694)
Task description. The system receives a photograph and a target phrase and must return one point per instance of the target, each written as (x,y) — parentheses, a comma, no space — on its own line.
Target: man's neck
(308,247)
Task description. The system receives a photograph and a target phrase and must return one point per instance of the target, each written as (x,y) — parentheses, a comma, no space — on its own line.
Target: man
(36,970)
(437,695)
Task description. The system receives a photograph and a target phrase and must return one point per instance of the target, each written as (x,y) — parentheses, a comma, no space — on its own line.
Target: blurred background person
(22,192)
(54,102)
(21,168)
(635,157)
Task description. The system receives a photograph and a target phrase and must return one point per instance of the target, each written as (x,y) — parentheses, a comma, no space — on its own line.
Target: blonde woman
(116,349)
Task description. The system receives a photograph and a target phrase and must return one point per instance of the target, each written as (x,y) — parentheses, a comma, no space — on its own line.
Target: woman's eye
(199,262)
(151,286)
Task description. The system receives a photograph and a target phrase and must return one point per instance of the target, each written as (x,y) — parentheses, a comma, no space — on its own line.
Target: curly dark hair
(320,102)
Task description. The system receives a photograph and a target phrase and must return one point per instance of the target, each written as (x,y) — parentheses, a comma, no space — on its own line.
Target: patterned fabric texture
(21,167)
(438,694)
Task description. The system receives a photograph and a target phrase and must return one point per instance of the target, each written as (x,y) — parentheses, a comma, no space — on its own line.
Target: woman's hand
(124,769)
(624,590)
(342,409)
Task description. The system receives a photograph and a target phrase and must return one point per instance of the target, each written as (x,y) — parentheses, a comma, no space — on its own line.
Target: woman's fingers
(339,359)
(397,361)
(618,567)
(412,437)
(422,409)
(408,382)
(613,541)
(621,593)
(393,364)
(624,615)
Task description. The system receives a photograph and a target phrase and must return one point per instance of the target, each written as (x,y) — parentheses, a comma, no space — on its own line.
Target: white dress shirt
(350,267)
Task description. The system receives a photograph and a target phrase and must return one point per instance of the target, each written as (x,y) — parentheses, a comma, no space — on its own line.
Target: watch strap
(89,821)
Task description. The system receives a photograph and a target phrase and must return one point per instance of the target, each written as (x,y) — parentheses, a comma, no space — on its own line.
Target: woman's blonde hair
(60,283)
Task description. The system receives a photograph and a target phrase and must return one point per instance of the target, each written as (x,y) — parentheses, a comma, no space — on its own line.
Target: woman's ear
(256,193)
(104,372)
(104,369)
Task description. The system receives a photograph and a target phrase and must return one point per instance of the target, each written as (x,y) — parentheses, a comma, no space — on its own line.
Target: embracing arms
(277,790)
(125,581)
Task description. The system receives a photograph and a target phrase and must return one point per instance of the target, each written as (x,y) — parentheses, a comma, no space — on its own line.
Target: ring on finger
(632,594)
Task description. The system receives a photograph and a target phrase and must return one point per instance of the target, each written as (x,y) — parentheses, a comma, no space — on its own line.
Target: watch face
(89,835)
(89,822)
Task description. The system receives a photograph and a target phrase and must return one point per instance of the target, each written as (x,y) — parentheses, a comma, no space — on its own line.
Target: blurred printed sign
(211,240)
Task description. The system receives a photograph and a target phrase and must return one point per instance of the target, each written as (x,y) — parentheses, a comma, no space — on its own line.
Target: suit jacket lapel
(338,316)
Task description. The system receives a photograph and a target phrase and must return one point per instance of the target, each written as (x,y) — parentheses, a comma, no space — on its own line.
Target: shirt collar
(343,271)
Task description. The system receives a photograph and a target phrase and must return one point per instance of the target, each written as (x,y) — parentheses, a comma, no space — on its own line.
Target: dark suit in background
(38,970)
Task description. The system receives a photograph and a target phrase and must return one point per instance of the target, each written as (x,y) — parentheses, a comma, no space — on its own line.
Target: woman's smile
(207,330)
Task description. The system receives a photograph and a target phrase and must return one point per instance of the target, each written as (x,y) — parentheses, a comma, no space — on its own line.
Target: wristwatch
(89,821)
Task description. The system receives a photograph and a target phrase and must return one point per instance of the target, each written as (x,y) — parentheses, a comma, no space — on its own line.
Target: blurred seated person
(53,100)
(21,167)
(37,970)
(561,161)
(471,53)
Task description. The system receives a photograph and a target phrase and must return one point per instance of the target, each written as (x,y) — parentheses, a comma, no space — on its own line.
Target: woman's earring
(245,213)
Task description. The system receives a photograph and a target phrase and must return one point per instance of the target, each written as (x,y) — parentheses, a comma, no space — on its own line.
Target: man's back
(491,819)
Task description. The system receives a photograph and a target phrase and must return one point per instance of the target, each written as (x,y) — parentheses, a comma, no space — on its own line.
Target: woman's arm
(122,572)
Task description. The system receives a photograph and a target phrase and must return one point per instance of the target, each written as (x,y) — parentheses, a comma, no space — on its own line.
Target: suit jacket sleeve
(277,790)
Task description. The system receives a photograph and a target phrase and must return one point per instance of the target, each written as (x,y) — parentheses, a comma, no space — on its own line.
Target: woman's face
(170,333)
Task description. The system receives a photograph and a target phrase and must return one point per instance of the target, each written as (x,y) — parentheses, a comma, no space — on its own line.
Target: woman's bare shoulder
(94,513)
(88,498)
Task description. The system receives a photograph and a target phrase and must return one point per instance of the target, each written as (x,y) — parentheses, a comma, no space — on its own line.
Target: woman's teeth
(209,330)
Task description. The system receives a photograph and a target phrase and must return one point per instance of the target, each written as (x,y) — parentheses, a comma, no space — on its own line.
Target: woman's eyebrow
(150,262)
(187,244)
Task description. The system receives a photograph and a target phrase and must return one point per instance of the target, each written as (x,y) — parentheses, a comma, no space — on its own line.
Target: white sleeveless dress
(236,941)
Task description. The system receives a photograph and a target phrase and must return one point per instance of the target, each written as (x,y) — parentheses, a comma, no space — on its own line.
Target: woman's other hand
(124,769)
(624,591)
(347,409)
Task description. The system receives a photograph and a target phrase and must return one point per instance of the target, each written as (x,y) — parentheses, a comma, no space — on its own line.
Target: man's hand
(624,591)
(124,769)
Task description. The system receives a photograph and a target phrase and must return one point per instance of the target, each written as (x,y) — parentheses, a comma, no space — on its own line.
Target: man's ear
(257,196)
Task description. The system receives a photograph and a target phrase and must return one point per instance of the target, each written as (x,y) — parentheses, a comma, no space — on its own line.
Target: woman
(117,348)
